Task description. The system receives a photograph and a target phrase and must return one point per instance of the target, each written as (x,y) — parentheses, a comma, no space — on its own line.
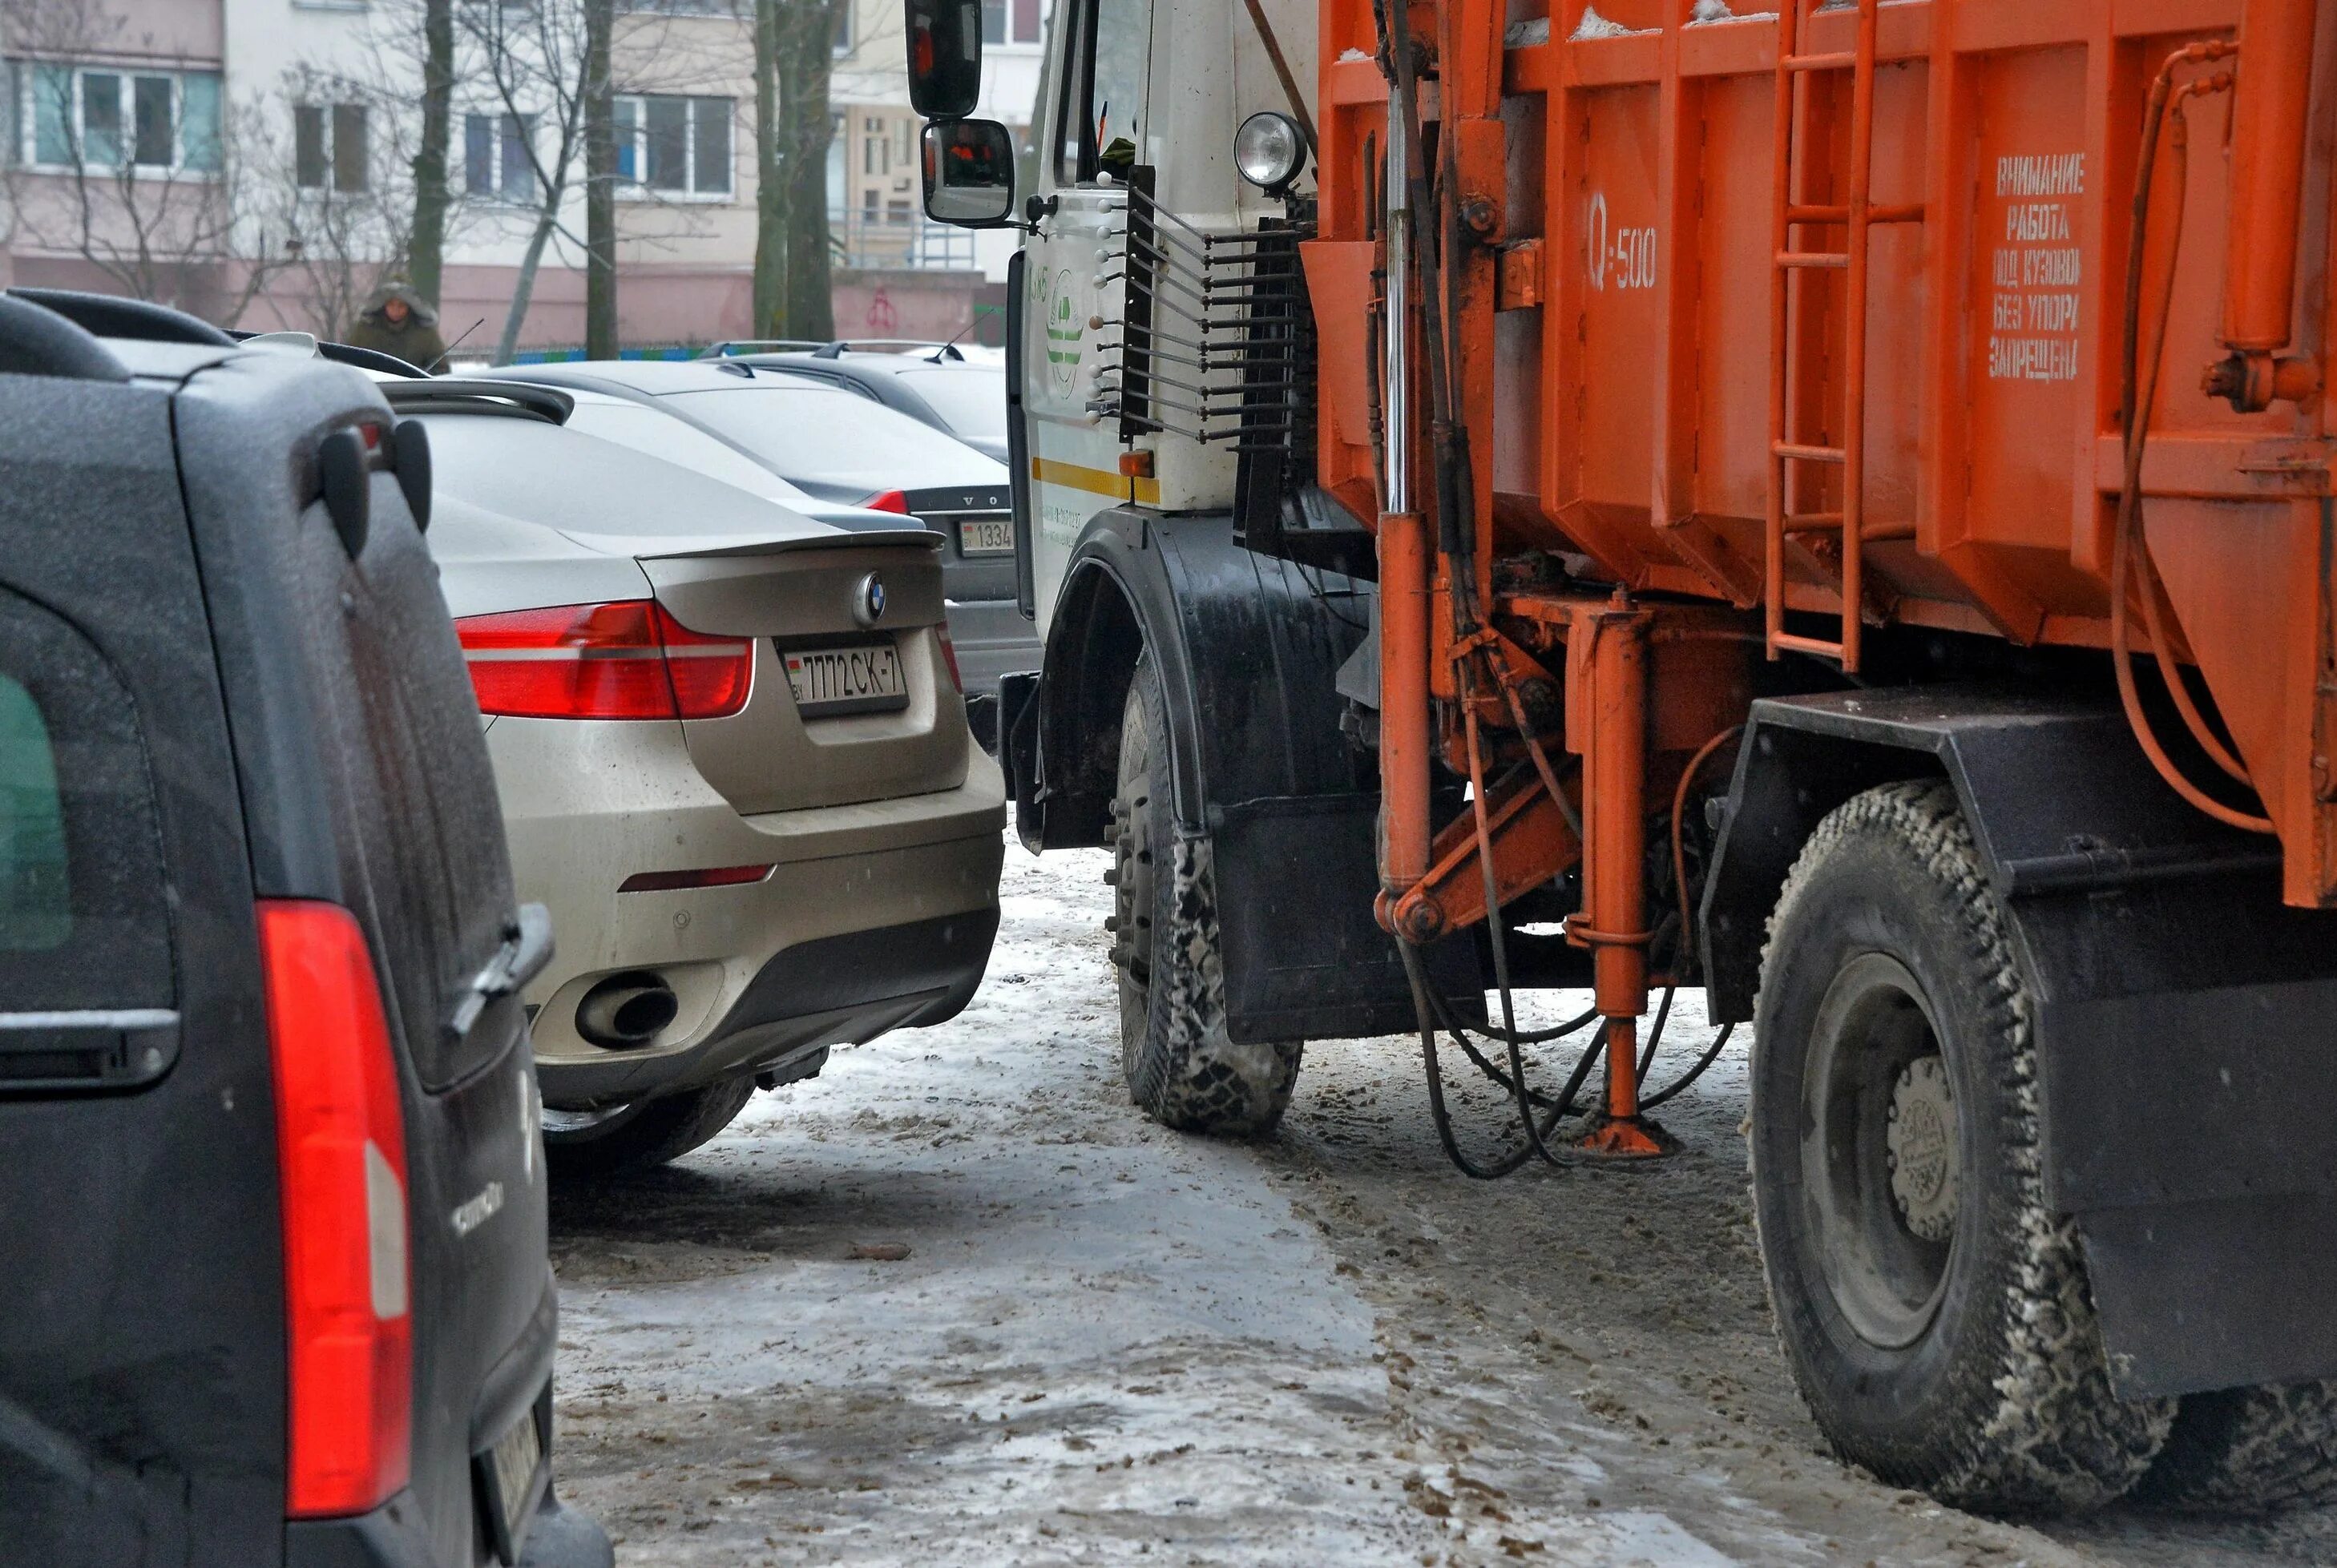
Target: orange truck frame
(1829,505)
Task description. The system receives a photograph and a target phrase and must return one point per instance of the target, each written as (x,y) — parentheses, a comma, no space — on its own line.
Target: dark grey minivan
(272,1184)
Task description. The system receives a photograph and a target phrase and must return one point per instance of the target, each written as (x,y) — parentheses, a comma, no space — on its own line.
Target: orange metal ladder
(1857,214)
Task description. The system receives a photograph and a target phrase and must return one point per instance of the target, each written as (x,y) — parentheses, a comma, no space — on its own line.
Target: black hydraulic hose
(1437,1110)
(1499,935)
(1523,1037)
(1655,1036)
(1711,1055)
(1421,993)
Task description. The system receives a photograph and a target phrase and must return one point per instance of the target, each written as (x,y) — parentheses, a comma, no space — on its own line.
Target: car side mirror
(969,173)
(945,57)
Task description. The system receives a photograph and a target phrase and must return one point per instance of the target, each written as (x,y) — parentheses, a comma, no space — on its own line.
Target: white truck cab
(1127,396)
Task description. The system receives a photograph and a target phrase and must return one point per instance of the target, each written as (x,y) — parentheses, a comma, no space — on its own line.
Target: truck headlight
(1269,150)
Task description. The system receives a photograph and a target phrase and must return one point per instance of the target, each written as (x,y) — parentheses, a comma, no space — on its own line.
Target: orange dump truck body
(1655,368)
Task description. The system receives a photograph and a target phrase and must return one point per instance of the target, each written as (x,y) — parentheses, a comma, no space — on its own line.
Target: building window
(159,122)
(671,145)
(1026,21)
(330,147)
(841,41)
(993,20)
(495,162)
(875,146)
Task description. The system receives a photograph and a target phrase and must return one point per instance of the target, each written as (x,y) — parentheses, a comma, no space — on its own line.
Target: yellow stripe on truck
(1095,481)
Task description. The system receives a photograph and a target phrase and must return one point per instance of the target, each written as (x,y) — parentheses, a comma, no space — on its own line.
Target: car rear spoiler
(668,548)
(453,394)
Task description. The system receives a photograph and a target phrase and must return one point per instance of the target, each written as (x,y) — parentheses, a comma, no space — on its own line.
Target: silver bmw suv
(733,758)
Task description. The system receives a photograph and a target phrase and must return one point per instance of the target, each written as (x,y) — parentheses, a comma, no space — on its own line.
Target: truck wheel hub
(1921,1144)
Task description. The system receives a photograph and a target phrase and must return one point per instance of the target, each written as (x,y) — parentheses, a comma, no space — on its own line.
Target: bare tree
(537,58)
(771,191)
(432,196)
(141,174)
(600,182)
(795,55)
(339,211)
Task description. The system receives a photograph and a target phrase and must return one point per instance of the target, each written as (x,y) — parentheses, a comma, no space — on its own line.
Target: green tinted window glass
(199,124)
(35,906)
(53,95)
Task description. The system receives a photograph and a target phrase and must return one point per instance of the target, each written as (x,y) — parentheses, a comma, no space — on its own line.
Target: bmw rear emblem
(868,600)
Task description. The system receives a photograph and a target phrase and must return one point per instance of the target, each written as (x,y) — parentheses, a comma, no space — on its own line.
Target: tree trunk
(426,250)
(771,187)
(600,184)
(806,59)
(523,287)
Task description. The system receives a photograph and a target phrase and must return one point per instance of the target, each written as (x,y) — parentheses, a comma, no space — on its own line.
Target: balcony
(906,241)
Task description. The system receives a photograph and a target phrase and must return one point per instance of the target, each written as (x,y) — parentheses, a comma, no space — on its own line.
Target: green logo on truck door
(1065,329)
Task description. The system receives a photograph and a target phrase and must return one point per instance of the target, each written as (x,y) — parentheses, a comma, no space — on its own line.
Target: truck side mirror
(969,173)
(945,57)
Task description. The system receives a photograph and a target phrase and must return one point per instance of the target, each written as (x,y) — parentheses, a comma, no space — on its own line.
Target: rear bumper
(588,805)
(843,989)
(403,1534)
(991,640)
(392,1536)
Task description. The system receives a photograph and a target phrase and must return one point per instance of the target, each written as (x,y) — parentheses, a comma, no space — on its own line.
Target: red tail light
(949,658)
(630,660)
(889,500)
(340,1140)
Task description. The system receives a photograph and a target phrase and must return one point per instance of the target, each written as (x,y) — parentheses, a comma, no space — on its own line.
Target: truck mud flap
(2188,1125)
(1305,959)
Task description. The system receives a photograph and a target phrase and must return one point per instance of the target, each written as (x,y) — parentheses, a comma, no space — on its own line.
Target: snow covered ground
(1109,1343)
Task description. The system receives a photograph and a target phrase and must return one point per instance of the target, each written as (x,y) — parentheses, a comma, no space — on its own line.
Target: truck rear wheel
(1935,1313)
(2245,1450)
(1182,1068)
(642,1133)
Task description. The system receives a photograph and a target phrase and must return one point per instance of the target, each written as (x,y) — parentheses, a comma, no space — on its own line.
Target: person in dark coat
(397,321)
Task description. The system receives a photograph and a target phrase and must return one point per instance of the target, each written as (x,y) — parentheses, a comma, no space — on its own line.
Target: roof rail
(453,395)
(35,341)
(114,316)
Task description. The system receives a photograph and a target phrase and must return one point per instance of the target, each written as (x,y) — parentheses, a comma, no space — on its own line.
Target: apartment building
(872,174)
(250,160)
(112,148)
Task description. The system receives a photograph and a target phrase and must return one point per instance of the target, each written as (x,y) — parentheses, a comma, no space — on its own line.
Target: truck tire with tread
(2247,1450)
(1182,1068)
(637,1136)
(1935,1313)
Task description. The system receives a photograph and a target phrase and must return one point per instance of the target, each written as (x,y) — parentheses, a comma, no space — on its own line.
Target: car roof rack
(36,341)
(113,316)
(455,394)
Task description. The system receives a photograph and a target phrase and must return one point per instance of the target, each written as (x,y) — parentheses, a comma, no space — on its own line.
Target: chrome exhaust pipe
(626,1011)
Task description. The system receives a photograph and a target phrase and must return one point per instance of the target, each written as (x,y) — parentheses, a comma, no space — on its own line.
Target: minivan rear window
(84,909)
(35,897)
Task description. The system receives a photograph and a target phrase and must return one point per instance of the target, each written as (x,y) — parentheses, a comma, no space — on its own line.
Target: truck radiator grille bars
(1212,342)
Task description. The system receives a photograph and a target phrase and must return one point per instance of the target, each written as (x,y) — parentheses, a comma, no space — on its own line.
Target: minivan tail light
(627,660)
(341,1142)
(889,500)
